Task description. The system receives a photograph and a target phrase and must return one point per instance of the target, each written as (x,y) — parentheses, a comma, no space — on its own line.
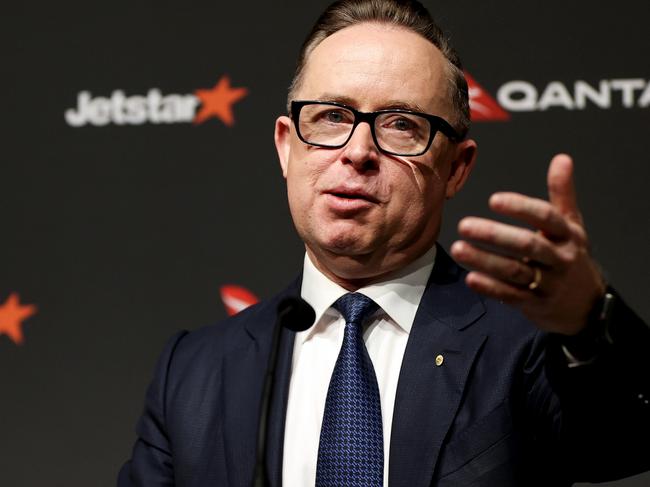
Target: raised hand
(547,272)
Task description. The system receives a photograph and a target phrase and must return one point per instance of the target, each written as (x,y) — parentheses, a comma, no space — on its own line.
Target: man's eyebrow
(345,100)
(400,105)
(397,105)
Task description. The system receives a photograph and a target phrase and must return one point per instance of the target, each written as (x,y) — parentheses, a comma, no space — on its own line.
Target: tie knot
(355,307)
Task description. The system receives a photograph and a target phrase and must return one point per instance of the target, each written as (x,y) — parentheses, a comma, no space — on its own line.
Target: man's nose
(361,151)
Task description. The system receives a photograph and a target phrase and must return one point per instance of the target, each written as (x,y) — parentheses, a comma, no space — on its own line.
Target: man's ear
(283,141)
(462,163)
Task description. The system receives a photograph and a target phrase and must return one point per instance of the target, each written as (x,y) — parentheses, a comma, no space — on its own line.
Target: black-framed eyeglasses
(398,132)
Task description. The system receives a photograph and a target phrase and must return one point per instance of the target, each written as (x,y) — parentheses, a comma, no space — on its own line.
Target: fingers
(561,189)
(510,240)
(546,270)
(496,289)
(508,270)
(551,217)
(536,212)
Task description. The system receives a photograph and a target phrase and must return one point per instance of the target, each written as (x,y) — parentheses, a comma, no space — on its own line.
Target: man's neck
(356,275)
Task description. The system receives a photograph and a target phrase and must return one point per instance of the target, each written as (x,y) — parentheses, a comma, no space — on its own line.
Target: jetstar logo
(523,96)
(156,108)
(12,315)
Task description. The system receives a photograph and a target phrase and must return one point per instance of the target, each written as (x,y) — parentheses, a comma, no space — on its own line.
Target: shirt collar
(399,296)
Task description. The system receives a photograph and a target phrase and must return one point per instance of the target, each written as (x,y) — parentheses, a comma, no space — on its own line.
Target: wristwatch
(584,347)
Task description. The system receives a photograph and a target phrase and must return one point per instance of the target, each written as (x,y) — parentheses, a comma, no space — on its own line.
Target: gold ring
(534,284)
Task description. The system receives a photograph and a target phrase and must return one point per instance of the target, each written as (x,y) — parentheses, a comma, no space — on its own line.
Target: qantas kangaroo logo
(236,298)
(482,106)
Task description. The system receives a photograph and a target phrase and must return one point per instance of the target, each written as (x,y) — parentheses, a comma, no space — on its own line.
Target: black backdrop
(119,234)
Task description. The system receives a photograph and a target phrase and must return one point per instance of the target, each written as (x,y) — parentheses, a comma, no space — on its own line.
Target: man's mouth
(347,202)
(352,194)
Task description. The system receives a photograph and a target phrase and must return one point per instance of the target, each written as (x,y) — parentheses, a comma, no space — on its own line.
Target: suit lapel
(243,378)
(429,392)
(277,415)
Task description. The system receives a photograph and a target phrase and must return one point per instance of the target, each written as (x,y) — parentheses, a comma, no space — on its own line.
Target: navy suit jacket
(501,410)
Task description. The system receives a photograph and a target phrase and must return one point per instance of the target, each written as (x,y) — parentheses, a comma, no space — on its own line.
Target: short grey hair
(409,14)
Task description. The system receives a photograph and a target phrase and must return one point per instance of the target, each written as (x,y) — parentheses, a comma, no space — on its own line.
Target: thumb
(561,189)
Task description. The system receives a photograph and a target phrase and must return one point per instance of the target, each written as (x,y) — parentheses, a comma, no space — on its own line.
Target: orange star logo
(12,315)
(218,101)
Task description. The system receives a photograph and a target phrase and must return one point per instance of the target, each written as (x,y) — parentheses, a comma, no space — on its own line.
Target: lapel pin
(439,360)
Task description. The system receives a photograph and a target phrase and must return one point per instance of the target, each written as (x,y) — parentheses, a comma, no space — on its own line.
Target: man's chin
(346,245)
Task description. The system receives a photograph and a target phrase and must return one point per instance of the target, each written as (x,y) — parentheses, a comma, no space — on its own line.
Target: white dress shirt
(315,352)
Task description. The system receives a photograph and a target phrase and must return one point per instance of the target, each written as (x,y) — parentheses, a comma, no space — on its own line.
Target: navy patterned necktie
(351,449)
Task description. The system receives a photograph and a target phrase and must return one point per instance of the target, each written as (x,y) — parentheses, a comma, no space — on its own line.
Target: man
(445,387)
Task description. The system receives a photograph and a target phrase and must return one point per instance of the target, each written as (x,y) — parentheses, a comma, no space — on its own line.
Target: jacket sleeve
(151,463)
(605,404)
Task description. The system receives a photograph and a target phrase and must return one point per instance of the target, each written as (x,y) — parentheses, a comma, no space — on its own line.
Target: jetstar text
(131,110)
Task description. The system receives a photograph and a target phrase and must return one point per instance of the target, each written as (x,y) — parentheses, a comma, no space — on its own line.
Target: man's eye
(334,116)
(402,124)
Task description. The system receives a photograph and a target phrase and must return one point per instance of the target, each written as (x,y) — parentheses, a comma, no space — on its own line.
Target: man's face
(360,212)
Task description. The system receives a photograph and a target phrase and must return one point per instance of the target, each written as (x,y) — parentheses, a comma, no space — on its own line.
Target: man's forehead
(379,65)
